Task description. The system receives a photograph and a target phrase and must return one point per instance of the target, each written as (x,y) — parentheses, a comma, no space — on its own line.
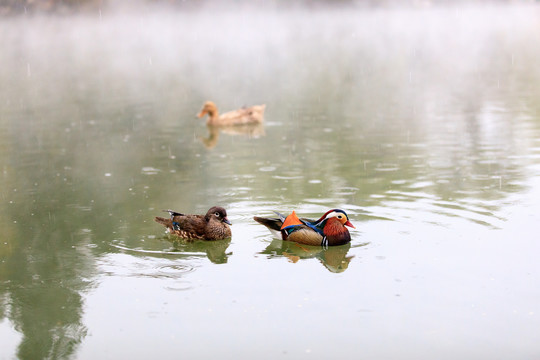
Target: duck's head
(337,214)
(208,108)
(219,213)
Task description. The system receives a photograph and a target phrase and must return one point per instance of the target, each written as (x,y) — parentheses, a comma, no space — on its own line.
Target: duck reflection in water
(252,131)
(334,258)
(215,251)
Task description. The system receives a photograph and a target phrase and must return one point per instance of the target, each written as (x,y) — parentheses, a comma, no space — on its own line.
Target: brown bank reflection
(252,131)
(42,278)
(334,258)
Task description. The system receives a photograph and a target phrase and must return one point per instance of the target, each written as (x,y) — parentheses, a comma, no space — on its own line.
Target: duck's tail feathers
(163,221)
(270,223)
(173,213)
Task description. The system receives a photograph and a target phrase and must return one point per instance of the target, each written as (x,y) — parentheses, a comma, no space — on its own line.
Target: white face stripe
(331,215)
(334,214)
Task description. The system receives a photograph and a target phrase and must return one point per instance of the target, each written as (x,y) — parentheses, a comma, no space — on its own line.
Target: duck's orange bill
(291,220)
(201,114)
(348,223)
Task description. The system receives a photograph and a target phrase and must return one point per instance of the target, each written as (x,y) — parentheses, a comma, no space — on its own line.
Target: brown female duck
(329,230)
(243,116)
(212,226)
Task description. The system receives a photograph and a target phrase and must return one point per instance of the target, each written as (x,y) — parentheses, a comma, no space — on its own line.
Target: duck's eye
(340,216)
(217,214)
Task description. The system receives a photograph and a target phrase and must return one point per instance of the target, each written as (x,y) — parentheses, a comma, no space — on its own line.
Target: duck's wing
(195,224)
(249,115)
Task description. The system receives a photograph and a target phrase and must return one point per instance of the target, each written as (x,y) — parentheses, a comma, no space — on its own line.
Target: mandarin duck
(329,230)
(212,226)
(243,116)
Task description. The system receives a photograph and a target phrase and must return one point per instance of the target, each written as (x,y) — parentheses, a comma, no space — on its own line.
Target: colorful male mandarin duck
(329,230)
(212,226)
(243,116)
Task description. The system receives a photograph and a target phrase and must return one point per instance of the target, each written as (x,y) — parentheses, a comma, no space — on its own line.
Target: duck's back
(244,116)
(188,226)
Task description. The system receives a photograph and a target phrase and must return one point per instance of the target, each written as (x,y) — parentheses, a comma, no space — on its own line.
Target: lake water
(422,123)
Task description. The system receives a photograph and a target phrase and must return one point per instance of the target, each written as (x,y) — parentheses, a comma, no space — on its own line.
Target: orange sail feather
(292,219)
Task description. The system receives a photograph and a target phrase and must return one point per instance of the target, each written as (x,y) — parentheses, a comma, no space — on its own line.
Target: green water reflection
(369,113)
(215,251)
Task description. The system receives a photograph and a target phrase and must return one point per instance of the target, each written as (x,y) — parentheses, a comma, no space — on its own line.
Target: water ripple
(124,265)
(156,252)
(428,208)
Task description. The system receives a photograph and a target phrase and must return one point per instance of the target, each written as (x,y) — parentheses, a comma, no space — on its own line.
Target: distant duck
(212,226)
(243,116)
(329,230)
